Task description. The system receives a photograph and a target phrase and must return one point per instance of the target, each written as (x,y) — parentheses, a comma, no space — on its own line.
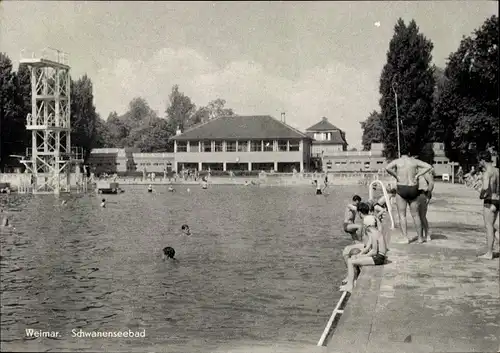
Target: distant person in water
(490,194)
(171,188)
(425,187)
(319,190)
(169,253)
(103,203)
(350,227)
(406,170)
(150,188)
(185,229)
(5,220)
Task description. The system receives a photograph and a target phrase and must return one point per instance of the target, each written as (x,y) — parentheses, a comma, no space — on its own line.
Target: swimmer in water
(63,202)
(150,188)
(406,170)
(185,229)
(169,253)
(319,191)
(103,203)
(350,216)
(5,220)
(171,189)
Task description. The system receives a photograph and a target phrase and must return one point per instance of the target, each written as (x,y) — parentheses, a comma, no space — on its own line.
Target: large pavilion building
(242,143)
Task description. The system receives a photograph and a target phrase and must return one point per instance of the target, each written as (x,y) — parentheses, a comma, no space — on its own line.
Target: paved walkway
(433,297)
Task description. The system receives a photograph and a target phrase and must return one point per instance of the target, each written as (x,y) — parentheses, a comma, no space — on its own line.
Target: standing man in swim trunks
(490,193)
(350,216)
(425,187)
(407,170)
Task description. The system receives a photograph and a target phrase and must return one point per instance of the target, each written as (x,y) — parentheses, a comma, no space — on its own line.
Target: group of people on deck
(414,187)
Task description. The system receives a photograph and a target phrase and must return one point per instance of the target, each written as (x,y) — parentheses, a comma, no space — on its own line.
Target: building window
(230,146)
(282,145)
(268,146)
(181,146)
(256,146)
(294,146)
(206,146)
(194,146)
(242,146)
(218,146)
(380,162)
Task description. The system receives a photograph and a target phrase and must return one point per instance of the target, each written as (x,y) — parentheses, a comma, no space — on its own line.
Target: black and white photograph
(249,176)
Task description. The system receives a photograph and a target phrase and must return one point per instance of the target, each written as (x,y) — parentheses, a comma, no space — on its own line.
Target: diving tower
(50,158)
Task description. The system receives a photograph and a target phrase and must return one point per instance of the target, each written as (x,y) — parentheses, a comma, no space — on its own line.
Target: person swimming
(150,188)
(185,229)
(171,188)
(406,170)
(169,252)
(103,203)
(5,220)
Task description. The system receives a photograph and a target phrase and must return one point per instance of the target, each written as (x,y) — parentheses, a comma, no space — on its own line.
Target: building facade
(355,161)
(242,143)
(112,160)
(327,138)
(154,162)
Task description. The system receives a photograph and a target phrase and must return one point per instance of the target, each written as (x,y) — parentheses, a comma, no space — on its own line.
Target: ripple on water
(259,266)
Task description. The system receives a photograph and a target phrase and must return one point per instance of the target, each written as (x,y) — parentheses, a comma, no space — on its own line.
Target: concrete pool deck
(432,297)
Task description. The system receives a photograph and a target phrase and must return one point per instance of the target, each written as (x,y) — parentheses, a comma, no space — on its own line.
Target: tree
(83,115)
(180,110)
(117,130)
(372,130)
(408,70)
(13,109)
(466,112)
(215,109)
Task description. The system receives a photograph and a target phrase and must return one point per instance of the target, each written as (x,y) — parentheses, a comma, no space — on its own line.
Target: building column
(275,166)
(175,146)
(224,166)
(249,166)
(200,166)
(301,166)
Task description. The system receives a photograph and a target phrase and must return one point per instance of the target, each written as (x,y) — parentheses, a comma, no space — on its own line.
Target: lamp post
(397,114)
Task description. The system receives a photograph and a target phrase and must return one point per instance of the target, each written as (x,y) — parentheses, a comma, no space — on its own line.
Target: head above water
(169,252)
(185,229)
(103,200)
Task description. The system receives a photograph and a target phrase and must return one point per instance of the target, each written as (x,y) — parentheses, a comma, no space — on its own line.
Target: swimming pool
(262,266)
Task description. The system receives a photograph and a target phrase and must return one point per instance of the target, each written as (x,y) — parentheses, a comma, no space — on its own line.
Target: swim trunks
(488,202)
(378,259)
(318,192)
(408,192)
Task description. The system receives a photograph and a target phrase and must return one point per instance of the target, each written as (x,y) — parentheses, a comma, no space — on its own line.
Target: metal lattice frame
(49,159)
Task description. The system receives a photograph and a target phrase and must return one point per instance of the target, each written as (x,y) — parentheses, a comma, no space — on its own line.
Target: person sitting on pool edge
(350,216)
(357,247)
(373,254)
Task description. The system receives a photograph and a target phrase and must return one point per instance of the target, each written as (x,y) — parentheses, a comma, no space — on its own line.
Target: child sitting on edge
(373,254)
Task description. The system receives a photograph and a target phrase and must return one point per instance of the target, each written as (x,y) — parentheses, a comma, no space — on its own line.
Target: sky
(307,59)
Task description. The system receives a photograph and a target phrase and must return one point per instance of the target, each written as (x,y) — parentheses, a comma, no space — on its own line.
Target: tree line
(457,105)
(139,127)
